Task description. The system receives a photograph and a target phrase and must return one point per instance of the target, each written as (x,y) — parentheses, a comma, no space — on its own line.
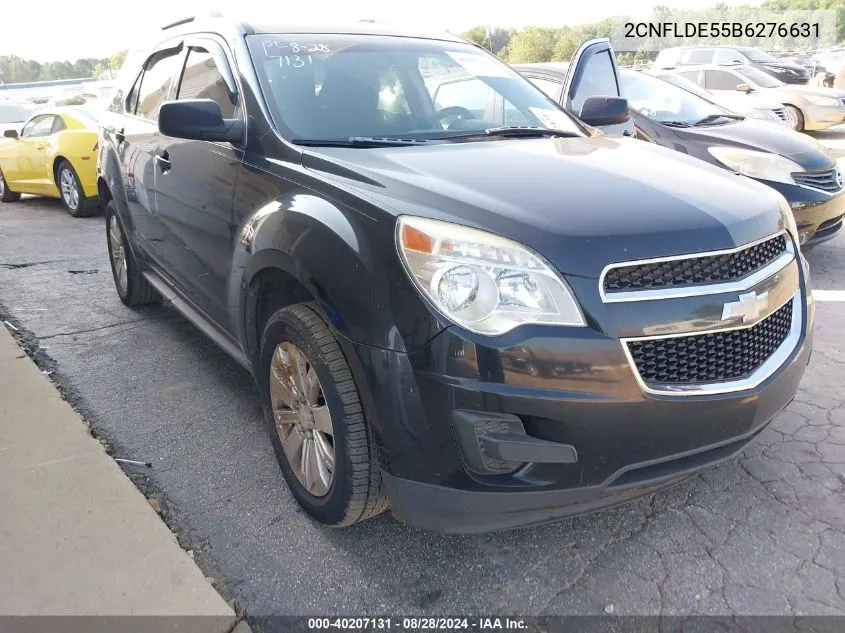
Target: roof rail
(188,20)
(178,23)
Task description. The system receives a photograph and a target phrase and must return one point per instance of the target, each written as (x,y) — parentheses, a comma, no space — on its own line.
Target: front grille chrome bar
(675,292)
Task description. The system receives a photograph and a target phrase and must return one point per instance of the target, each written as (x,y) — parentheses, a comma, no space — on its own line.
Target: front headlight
(754,164)
(765,115)
(822,101)
(480,281)
(788,217)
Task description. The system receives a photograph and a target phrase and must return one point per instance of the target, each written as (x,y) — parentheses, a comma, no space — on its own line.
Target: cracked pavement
(760,535)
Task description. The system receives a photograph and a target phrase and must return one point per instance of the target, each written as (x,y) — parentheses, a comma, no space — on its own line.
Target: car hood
(762,137)
(580,202)
(782,92)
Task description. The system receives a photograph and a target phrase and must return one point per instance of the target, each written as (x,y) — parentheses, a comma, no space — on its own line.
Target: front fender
(344,257)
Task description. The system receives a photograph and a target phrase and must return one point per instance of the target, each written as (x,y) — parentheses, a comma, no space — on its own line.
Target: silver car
(811,108)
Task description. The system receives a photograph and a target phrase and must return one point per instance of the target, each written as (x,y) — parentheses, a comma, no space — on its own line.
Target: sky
(98,28)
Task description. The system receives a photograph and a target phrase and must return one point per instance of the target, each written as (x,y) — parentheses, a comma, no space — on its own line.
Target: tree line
(544,44)
(14,69)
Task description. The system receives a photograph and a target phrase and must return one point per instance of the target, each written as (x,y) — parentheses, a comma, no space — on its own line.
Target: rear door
(195,184)
(593,72)
(137,137)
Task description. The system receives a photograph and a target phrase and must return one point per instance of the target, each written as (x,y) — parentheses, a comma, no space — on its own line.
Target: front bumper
(818,215)
(569,387)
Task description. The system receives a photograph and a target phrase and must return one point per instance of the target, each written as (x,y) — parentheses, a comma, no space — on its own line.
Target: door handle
(163,161)
(40,147)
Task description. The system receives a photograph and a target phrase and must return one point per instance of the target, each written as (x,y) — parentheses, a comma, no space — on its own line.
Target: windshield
(14,112)
(755,55)
(758,77)
(662,101)
(330,87)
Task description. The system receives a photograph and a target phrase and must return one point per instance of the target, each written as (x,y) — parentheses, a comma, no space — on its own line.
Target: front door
(195,185)
(136,135)
(30,171)
(593,72)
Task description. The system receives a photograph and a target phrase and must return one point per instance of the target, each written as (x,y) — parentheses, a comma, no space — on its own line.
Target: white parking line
(829,295)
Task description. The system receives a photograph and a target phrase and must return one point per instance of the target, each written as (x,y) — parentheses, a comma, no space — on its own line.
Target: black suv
(455,301)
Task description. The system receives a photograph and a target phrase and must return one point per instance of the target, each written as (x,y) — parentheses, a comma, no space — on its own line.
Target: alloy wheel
(2,185)
(118,255)
(302,419)
(70,191)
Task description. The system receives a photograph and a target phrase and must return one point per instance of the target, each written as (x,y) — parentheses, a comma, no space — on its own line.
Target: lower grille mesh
(714,357)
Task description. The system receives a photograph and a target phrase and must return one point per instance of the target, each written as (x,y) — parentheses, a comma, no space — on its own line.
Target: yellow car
(54,155)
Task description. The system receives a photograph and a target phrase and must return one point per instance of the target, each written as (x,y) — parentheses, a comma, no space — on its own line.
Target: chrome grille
(714,357)
(825,180)
(694,271)
(782,114)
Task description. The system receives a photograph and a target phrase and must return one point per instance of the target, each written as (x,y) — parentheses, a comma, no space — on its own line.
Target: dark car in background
(373,256)
(793,164)
(787,72)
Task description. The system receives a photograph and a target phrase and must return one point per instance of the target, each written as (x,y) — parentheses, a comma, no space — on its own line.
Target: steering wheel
(458,112)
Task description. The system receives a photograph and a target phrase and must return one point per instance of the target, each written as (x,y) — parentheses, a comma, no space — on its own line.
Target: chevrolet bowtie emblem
(750,306)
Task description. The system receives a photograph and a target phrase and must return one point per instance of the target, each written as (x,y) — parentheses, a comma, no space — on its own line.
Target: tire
(355,491)
(797,118)
(130,284)
(71,193)
(6,194)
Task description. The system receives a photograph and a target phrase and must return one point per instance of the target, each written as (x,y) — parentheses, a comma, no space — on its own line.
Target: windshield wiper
(358,141)
(510,131)
(710,118)
(676,123)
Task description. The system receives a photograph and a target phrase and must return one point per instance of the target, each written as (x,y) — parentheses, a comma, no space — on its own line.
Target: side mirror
(598,111)
(744,88)
(198,120)
(10,133)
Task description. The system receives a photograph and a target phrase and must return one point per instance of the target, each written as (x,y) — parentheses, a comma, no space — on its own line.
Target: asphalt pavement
(764,534)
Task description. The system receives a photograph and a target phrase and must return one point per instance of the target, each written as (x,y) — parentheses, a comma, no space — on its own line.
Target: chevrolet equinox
(458,301)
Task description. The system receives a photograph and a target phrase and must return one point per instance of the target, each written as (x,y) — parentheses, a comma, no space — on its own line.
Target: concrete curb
(76,536)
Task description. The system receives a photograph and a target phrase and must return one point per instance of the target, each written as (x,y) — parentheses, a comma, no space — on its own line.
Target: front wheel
(71,192)
(320,436)
(130,284)
(797,118)
(6,194)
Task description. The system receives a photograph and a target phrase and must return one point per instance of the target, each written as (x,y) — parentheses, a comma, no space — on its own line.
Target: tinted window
(58,125)
(598,80)
(720,80)
(661,101)
(551,88)
(203,80)
(728,56)
(333,86)
(39,126)
(155,85)
(762,79)
(471,94)
(697,56)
